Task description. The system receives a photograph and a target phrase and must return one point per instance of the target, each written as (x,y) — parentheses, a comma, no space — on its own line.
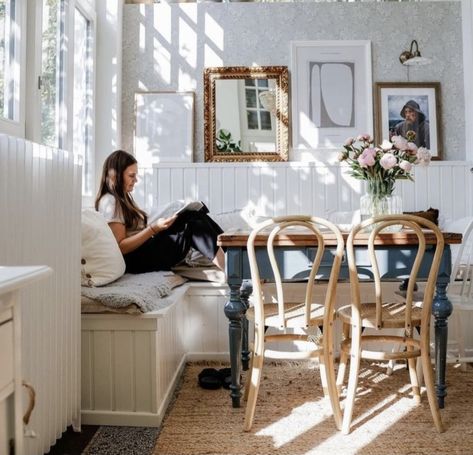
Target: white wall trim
(291,164)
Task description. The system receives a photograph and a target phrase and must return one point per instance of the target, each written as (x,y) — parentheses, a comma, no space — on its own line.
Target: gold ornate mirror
(246,113)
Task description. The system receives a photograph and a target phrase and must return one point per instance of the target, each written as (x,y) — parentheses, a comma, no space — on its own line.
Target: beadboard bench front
(131,364)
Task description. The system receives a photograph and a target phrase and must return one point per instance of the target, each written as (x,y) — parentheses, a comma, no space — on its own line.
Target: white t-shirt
(107,206)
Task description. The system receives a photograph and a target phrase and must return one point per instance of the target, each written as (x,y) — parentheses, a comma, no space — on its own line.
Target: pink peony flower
(388,161)
(349,141)
(405,166)
(367,158)
(393,159)
(386,145)
(399,142)
(423,156)
(364,137)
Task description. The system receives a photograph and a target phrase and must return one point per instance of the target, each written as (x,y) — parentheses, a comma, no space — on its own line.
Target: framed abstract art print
(331,93)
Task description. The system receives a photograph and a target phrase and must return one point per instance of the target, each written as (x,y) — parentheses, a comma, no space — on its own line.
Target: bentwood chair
(379,315)
(460,294)
(286,316)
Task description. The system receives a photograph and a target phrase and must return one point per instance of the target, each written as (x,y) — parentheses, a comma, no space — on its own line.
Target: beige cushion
(101,259)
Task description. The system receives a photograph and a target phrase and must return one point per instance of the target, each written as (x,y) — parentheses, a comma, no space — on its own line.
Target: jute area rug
(293,417)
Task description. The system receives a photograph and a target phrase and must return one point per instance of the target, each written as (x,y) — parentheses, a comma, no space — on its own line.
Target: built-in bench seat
(131,361)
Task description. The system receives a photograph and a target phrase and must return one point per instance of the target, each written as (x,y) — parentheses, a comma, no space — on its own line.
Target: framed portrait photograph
(331,92)
(410,110)
(164,127)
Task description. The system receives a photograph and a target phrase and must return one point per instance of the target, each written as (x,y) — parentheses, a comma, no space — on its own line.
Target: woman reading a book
(155,246)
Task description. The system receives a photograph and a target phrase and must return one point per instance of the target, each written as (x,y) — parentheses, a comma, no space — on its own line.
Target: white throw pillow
(101,259)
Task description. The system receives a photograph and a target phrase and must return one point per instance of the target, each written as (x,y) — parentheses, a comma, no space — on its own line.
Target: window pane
(52,71)
(249,82)
(2,55)
(83,91)
(263,82)
(252,117)
(9,60)
(250,97)
(265,120)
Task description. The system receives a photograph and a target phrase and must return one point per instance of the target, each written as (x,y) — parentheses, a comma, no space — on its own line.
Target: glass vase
(380,200)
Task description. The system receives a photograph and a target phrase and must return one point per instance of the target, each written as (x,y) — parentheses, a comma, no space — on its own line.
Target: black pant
(169,247)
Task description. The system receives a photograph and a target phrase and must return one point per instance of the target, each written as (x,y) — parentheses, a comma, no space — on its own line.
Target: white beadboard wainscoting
(40,200)
(132,363)
(293,187)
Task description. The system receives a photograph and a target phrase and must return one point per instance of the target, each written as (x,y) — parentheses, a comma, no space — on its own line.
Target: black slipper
(209,378)
(226,377)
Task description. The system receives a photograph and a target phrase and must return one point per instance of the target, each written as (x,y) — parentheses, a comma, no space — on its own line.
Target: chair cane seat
(294,314)
(393,315)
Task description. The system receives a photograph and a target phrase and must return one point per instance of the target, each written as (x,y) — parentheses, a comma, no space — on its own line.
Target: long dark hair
(112,182)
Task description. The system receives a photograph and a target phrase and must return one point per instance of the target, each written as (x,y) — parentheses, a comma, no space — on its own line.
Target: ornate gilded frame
(281,76)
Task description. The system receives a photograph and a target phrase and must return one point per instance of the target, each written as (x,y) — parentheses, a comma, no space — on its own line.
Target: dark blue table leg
(441,309)
(235,312)
(245,292)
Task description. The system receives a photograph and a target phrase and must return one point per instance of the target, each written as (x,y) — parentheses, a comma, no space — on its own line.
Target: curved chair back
(380,314)
(293,315)
(417,225)
(281,225)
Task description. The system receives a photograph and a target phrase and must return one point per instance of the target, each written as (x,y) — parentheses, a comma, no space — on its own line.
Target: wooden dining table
(295,252)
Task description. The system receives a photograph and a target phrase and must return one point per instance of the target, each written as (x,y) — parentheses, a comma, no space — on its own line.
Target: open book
(176,208)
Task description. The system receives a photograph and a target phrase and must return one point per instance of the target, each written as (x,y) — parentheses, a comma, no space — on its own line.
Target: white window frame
(87,10)
(34,50)
(34,58)
(17,73)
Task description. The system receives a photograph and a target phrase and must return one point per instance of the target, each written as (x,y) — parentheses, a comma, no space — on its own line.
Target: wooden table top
(239,238)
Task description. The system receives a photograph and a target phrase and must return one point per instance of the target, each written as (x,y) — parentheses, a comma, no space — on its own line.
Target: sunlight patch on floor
(373,422)
(298,422)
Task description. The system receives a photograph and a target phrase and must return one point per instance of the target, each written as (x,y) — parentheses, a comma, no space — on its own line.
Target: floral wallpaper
(167,46)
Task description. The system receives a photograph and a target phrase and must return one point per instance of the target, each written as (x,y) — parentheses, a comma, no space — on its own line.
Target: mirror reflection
(245,114)
(242,115)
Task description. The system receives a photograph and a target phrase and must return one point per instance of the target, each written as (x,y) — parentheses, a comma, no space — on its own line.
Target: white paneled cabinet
(12,280)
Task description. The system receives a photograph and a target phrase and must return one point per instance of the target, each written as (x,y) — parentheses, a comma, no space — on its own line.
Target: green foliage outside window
(50,73)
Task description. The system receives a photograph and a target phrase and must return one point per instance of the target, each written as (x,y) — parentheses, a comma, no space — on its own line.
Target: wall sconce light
(412,57)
